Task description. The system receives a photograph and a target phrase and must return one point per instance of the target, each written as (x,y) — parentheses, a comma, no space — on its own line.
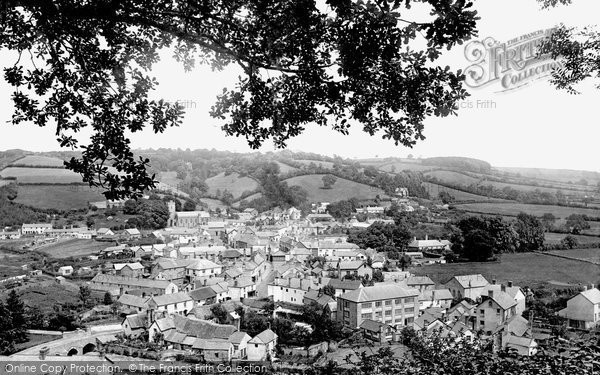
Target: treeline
(509,193)
(461,163)
(482,238)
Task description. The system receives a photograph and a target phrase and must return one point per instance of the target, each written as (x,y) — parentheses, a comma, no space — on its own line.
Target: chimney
(426,237)
(43,352)
(235,283)
(493,281)
(503,288)
(491,293)
(510,283)
(204,282)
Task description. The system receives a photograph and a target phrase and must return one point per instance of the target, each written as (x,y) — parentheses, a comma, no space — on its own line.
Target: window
(490,303)
(378,304)
(366,316)
(482,312)
(409,310)
(388,313)
(346,314)
(498,311)
(481,323)
(398,301)
(398,312)
(366,305)
(388,302)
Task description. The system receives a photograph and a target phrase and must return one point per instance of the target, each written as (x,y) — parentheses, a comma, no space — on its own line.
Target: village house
(102,232)
(388,303)
(133,303)
(583,310)
(203,296)
(175,303)
(421,283)
(9,235)
(343,286)
(242,287)
(436,298)
(35,229)
(239,340)
(494,310)
(128,269)
(262,346)
(173,270)
(134,325)
(427,245)
(467,286)
(101,282)
(291,290)
(65,270)
(355,268)
(199,269)
(514,291)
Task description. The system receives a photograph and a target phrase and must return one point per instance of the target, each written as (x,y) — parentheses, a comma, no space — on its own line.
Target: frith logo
(512,65)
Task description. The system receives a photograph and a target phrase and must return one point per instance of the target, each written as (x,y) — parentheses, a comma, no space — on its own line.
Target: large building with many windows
(391,304)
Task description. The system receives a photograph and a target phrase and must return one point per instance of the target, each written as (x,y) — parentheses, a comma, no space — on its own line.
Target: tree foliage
(87,65)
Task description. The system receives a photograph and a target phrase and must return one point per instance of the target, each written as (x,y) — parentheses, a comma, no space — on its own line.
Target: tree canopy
(88,65)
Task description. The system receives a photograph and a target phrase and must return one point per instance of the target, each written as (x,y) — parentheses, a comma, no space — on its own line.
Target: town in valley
(211,267)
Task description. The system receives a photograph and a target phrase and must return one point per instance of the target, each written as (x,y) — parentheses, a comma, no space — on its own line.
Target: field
(553,238)
(57,196)
(39,161)
(342,189)
(169,178)
(233,183)
(513,209)
(561,175)
(73,248)
(404,166)
(459,195)
(453,177)
(41,175)
(585,254)
(284,168)
(524,269)
(324,164)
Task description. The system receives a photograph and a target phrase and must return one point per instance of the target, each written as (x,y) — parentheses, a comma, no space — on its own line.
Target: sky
(532,126)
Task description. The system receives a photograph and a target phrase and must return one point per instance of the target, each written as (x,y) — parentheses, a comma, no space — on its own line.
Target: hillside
(235,184)
(513,209)
(341,190)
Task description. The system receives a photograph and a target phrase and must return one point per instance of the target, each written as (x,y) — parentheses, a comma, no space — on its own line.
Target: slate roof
(419,280)
(351,264)
(169,299)
(130,281)
(503,300)
(379,292)
(136,321)
(131,300)
(593,295)
(237,337)
(345,284)
(202,328)
(471,281)
(202,264)
(202,294)
(372,325)
(264,337)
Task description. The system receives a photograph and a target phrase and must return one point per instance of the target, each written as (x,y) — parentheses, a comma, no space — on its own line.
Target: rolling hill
(341,190)
(235,184)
